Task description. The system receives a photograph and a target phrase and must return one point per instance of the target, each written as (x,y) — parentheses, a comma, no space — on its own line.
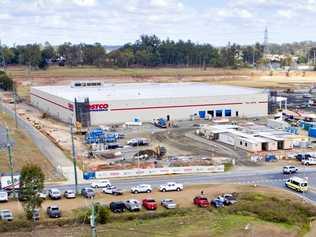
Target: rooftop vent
(76,84)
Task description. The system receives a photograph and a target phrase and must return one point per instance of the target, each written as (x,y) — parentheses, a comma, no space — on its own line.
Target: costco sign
(98,107)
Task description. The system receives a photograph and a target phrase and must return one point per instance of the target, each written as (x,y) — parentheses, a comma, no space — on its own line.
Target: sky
(116,22)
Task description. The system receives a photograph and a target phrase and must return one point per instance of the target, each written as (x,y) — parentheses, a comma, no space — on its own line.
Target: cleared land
(24,151)
(266,212)
(241,77)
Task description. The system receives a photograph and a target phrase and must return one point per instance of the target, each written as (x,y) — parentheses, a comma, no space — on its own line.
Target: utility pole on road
(9,147)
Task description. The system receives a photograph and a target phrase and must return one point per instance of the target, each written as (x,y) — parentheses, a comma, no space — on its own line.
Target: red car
(201,201)
(150,204)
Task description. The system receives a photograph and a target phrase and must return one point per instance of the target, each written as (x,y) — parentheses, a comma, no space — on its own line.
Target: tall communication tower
(265,42)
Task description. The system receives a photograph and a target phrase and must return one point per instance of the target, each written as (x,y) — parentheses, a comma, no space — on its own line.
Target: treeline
(148,51)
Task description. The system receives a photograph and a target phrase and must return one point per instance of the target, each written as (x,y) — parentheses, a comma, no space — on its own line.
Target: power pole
(9,146)
(74,158)
(3,59)
(14,99)
(93,221)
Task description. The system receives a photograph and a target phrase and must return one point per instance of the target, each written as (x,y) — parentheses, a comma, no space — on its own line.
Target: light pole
(9,147)
(74,158)
(93,221)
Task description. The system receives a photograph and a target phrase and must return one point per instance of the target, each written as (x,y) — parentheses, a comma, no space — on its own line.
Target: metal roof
(133,91)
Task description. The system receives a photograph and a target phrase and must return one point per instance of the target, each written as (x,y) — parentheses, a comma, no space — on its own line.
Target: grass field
(23,151)
(59,72)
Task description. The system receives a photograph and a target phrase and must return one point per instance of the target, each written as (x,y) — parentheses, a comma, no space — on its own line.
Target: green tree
(30,55)
(6,83)
(31,182)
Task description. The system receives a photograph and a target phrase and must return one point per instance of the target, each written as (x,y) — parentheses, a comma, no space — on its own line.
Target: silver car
(6,215)
(168,203)
(133,205)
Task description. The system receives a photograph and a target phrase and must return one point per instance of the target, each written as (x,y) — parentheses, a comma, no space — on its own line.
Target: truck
(171,186)
(6,184)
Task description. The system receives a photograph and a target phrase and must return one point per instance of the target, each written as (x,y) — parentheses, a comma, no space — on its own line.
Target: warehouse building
(95,103)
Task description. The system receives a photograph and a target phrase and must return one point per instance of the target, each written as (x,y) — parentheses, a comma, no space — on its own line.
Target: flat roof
(132,91)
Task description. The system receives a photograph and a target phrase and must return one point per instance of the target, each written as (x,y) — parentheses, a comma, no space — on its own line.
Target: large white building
(95,103)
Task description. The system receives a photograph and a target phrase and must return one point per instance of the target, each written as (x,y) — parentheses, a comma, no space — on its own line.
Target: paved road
(266,178)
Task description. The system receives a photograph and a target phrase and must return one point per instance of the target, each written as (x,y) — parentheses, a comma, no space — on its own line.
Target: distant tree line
(148,51)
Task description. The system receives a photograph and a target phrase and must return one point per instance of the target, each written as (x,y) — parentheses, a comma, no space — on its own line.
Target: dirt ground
(24,151)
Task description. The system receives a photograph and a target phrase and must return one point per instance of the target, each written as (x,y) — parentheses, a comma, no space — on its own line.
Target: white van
(298,184)
(3,196)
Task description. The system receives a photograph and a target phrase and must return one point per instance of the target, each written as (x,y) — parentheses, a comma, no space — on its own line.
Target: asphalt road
(265,178)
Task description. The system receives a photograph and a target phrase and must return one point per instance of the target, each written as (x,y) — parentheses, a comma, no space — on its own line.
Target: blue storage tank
(312,132)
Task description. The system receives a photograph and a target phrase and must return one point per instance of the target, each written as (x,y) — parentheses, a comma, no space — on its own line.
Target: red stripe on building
(65,107)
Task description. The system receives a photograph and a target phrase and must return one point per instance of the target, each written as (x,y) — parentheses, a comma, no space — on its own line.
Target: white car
(103,183)
(142,188)
(42,195)
(168,203)
(70,194)
(54,193)
(3,196)
(6,215)
(171,186)
(112,190)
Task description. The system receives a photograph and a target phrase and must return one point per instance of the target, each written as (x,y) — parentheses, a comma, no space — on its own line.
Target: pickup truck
(171,186)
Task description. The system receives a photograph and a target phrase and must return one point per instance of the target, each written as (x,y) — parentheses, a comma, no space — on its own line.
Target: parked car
(70,194)
(42,195)
(112,190)
(117,207)
(289,169)
(201,201)
(54,194)
(101,183)
(87,192)
(6,215)
(133,205)
(218,202)
(168,203)
(3,196)
(138,142)
(142,188)
(53,211)
(171,186)
(36,214)
(229,199)
(149,204)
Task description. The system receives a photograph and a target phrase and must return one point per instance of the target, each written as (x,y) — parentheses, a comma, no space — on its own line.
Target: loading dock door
(264,146)
(280,145)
